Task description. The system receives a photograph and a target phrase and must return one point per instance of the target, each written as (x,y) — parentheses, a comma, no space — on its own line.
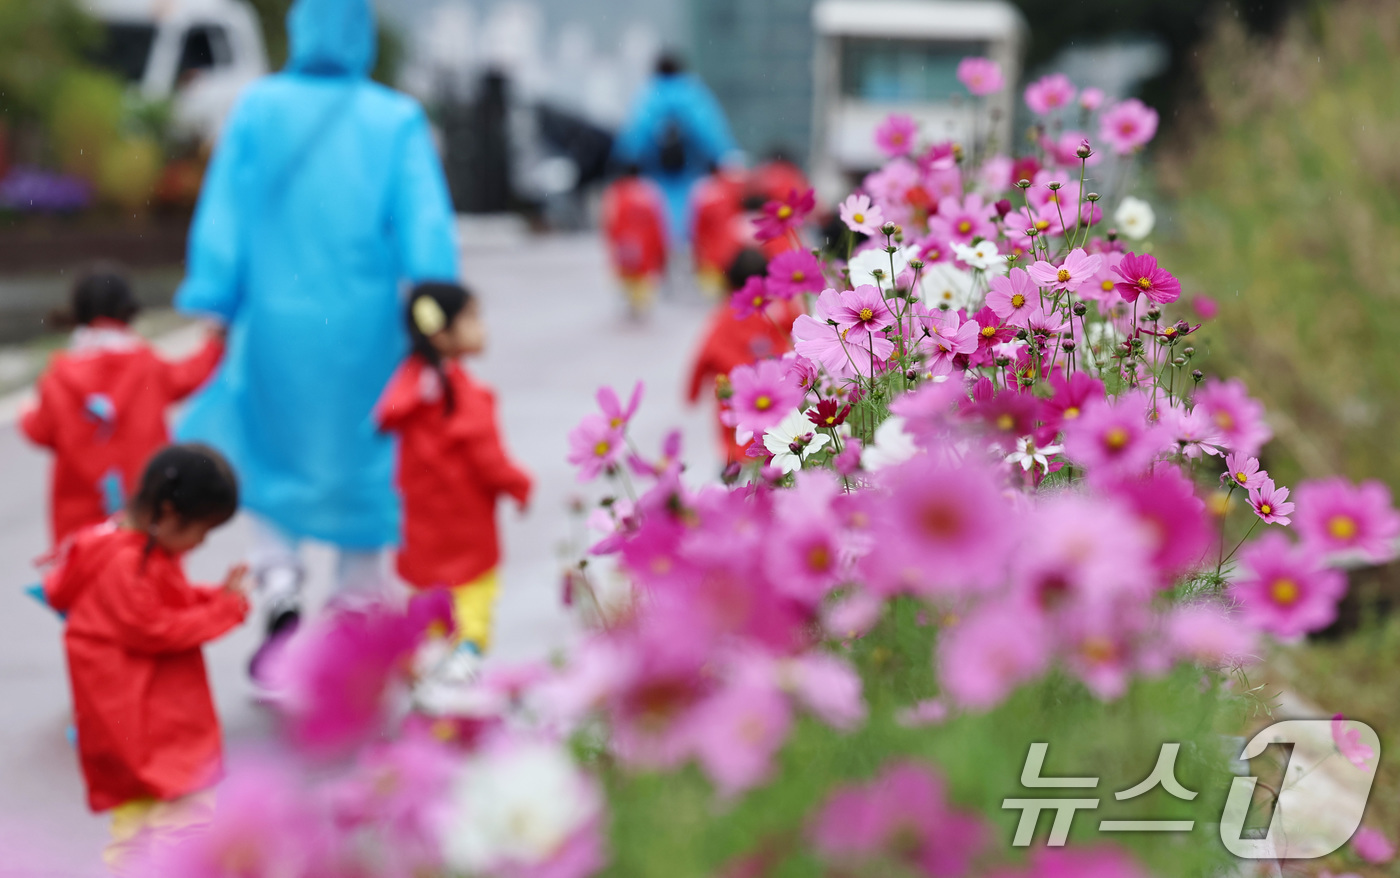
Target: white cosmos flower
(892,444)
(1135,218)
(516,803)
(864,264)
(943,285)
(794,430)
(983,256)
(1028,455)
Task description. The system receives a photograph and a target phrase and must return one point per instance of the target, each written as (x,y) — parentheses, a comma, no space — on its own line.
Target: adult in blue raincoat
(676,132)
(323,200)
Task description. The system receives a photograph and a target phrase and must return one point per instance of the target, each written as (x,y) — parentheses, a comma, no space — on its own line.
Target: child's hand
(237,581)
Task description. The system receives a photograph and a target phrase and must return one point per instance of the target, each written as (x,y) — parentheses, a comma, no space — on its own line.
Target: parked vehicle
(196,53)
(877,57)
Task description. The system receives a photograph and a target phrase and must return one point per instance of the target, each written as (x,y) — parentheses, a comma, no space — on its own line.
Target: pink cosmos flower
(1207,634)
(1068,398)
(903,814)
(1064,151)
(1076,862)
(896,135)
(1141,276)
(1270,503)
(1013,297)
(737,731)
(1334,516)
(948,336)
(1243,470)
(827,686)
(860,310)
(1372,846)
(1128,126)
(1176,518)
(960,222)
(1349,743)
(1049,93)
(1113,437)
(787,214)
(983,658)
(752,298)
(1045,322)
(981,76)
(929,712)
(1091,99)
(1103,288)
(594,446)
(763,396)
(843,354)
(794,273)
(619,417)
(1286,590)
(861,216)
(1240,419)
(1078,268)
(1195,433)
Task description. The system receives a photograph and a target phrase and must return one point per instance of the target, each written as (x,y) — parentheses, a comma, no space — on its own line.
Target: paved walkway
(557,333)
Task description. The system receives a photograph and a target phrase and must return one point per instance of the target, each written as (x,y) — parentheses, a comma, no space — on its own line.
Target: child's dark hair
(194,481)
(100,293)
(749,262)
(431,309)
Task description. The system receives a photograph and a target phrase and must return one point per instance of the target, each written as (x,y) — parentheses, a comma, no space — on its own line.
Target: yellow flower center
(1005,422)
(1145,283)
(989,331)
(964,227)
(763,403)
(1042,225)
(1116,438)
(1223,420)
(784,212)
(1241,477)
(602,448)
(1284,591)
(799,276)
(1343,527)
(866,313)
(1071,413)
(1265,509)
(819,559)
(859,218)
(1106,286)
(1098,650)
(1018,300)
(757,300)
(1062,275)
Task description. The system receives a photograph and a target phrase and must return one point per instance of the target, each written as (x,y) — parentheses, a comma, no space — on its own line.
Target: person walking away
(732,341)
(324,200)
(453,467)
(675,132)
(634,223)
(719,229)
(101,404)
(148,737)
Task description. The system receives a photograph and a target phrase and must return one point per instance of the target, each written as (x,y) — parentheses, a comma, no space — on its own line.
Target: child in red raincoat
(718,234)
(148,736)
(452,466)
(634,223)
(732,341)
(101,404)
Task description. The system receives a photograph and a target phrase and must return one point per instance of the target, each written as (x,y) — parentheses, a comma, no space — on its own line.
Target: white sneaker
(447,688)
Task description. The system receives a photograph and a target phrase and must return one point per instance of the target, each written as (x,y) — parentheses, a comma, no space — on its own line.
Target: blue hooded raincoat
(682,100)
(323,199)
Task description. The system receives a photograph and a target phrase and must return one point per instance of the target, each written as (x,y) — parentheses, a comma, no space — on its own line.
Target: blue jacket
(682,100)
(323,200)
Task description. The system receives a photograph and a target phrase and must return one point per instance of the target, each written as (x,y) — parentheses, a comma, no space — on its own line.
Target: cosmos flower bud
(1067,344)
(1023,184)
(916,264)
(1154,314)
(1054,187)
(1084,150)
(1080,309)
(1197,375)
(1003,362)
(1178,361)
(1022,334)
(888,229)
(1188,351)
(1003,207)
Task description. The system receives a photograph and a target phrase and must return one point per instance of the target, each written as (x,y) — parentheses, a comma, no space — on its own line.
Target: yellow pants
(141,824)
(472,608)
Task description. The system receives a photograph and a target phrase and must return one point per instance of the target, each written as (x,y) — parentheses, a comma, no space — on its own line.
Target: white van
(198,53)
(877,57)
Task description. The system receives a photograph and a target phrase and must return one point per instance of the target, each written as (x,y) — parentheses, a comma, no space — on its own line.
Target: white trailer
(877,57)
(197,53)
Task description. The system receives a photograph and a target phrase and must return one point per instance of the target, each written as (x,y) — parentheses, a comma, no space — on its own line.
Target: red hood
(79,559)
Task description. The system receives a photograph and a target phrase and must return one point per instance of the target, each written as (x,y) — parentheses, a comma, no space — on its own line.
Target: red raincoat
(634,222)
(731,341)
(101,408)
(452,470)
(718,208)
(141,699)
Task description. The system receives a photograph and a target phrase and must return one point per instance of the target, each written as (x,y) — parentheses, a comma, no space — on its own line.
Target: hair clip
(428,316)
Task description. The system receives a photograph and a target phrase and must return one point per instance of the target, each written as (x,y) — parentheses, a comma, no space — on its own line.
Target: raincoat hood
(331,37)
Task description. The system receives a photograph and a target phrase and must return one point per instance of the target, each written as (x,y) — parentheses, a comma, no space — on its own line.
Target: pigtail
(432,307)
(163,493)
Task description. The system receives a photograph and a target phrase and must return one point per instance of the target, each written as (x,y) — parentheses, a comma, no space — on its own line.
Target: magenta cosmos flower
(763,396)
(903,814)
(896,135)
(1091,99)
(1239,418)
(778,217)
(861,216)
(738,730)
(1013,297)
(618,416)
(751,298)
(961,222)
(1077,269)
(1285,589)
(794,273)
(1113,438)
(1128,126)
(948,336)
(981,76)
(1334,515)
(1049,93)
(1141,276)
(1166,502)
(861,310)
(1072,862)
(1372,846)
(595,445)
(1270,503)
(1244,470)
